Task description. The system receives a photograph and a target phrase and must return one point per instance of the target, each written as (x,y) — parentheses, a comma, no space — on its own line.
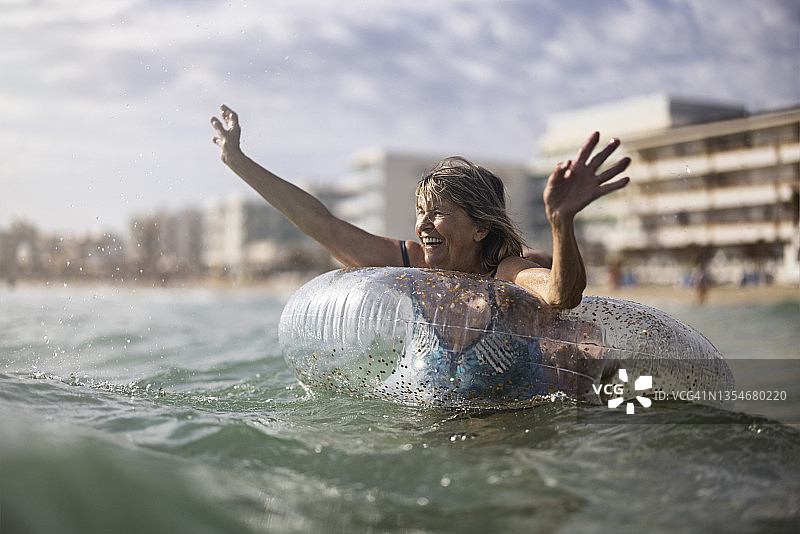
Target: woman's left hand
(575,184)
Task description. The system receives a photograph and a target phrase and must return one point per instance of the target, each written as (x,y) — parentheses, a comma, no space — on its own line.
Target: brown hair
(481,194)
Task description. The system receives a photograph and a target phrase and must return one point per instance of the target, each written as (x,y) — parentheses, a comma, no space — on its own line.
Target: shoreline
(652,295)
(716,296)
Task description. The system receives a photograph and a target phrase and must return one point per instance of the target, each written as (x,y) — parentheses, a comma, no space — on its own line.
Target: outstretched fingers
(229,116)
(613,186)
(614,170)
(227,131)
(219,129)
(603,178)
(587,148)
(602,156)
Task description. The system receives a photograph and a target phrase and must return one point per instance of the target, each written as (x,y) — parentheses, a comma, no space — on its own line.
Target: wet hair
(481,194)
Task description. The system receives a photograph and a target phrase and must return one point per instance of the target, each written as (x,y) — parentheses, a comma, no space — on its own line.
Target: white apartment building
(380,191)
(708,183)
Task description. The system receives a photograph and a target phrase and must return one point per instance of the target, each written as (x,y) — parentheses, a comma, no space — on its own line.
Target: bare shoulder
(512,266)
(540,257)
(523,272)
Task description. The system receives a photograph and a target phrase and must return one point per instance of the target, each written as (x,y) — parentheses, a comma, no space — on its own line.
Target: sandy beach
(717,296)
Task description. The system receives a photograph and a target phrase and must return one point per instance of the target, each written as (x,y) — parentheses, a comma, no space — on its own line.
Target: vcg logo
(642,383)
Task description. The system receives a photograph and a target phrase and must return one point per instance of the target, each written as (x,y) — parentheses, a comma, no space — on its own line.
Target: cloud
(107,104)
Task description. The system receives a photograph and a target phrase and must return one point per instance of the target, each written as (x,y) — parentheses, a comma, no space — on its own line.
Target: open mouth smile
(432,241)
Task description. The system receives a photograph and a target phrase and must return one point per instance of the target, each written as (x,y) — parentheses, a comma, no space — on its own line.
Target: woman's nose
(424,220)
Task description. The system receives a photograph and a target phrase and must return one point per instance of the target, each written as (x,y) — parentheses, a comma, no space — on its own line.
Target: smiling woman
(462,224)
(466,201)
(448,237)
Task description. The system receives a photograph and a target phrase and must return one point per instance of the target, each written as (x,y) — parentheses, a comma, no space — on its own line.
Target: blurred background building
(247,239)
(711,186)
(380,191)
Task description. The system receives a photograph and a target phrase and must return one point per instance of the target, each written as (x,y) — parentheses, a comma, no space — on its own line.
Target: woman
(462,223)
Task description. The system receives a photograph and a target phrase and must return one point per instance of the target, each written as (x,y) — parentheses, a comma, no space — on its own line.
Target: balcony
(712,199)
(705,164)
(716,235)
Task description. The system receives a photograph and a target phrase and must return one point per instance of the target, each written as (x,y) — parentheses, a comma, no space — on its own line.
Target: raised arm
(347,243)
(571,187)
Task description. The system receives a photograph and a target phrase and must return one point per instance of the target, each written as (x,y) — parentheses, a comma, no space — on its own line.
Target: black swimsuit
(404,252)
(497,364)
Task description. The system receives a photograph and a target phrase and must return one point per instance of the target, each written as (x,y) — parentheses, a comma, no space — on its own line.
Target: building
(28,254)
(709,185)
(379,191)
(165,245)
(251,238)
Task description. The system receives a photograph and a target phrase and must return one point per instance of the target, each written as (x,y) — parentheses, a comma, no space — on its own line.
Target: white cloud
(107,103)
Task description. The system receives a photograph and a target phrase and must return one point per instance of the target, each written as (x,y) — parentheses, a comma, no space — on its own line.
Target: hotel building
(709,184)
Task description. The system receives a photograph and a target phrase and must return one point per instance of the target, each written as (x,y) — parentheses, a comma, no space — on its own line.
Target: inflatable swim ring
(456,340)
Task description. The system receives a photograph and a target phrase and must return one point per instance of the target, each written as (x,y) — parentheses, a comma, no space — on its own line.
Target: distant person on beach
(462,224)
(701,282)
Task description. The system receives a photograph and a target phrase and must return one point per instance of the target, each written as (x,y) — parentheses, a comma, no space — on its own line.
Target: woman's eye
(435,214)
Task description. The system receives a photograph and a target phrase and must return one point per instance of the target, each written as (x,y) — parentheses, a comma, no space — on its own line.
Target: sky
(105,106)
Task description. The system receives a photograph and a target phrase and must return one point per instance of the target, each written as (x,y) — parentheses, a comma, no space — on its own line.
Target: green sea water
(135,410)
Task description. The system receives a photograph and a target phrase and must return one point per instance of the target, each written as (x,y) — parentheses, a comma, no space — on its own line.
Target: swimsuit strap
(404,252)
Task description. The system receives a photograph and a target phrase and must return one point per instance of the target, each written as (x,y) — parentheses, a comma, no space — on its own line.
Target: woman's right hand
(227,138)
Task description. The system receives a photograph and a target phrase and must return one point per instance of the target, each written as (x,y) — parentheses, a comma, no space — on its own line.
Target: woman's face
(449,238)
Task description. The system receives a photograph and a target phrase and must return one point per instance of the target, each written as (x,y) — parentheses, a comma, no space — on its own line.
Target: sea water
(141,410)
